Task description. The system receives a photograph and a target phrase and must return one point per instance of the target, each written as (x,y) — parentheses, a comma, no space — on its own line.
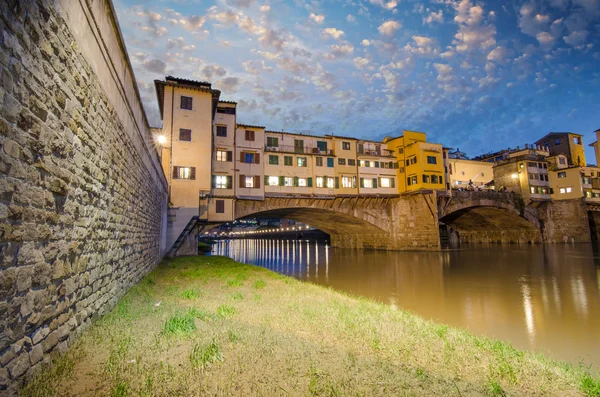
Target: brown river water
(540,298)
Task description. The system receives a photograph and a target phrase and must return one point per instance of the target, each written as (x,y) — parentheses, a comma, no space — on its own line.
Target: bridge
(414,222)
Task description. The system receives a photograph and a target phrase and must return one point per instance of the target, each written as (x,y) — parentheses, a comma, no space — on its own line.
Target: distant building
(566,143)
(526,175)
(596,146)
(467,174)
(457,154)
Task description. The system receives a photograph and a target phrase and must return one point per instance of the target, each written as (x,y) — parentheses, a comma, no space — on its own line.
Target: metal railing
(299,150)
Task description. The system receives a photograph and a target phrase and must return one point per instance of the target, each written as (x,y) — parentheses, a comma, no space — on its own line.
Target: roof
(556,134)
(229,102)
(250,126)
(341,137)
(160,85)
(295,133)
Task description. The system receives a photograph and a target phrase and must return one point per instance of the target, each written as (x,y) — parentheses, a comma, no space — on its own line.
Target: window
(347,181)
(562,161)
(562,174)
(385,182)
(320,181)
(184,172)
(402,170)
(273,181)
(287,160)
(298,146)
(330,162)
(322,146)
(587,181)
(588,194)
(341,161)
(222,130)
(185,135)
(400,150)
(226,110)
(186,103)
(301,161)
(412,180)
(577,140)
(435,179)
(319,161)
(249,135)
(351,162)
(248,158)
(564,190)
(223,155)
(376,164)
(569,190)
(330,182)
(367,183)
(532,165)
(557,142)
(273,160)
(222,182)
(346,145)
(425,178)
(220,206)
(431,160)
(288,181)
(362,163)
(272,141)
(249,182)
(302,182)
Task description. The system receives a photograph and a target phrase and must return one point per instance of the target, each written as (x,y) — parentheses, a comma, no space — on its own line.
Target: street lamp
(161,139)
(515,176)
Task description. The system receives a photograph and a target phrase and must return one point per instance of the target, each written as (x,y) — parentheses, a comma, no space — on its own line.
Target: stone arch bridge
(414,222)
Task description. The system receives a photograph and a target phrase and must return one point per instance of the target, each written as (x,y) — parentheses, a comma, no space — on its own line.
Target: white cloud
(474,32)
(388,5)
(365,42)
(434,17)
(389,27)
(317,18)
(360,62)
(576,37)
(333,32)
(544,38)
(339,51)
(255,67)
(498,54)
(350,18)
(423,46)
(265,8)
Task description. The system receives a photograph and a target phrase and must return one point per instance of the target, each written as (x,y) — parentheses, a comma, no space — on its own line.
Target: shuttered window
(220,204)
(186,102)
(180,172)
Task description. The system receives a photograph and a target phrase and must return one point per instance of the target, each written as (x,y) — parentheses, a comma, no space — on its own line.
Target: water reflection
(541,298)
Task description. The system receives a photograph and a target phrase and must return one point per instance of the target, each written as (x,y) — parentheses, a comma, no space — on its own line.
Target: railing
(488,194)
(299,150)
(375,153)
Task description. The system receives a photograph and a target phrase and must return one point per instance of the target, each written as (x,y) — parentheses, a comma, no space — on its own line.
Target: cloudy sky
(476,75)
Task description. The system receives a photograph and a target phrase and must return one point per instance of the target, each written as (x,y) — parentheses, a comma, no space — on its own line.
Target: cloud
(255,67)
(545,39)
(365,42)
(192,22)
(474,32)
(423,46)
(498,54)
(339,51)
(360,62)
(265,8)
(317,18)
(350,18)
(240,3)
(388,5)
(531,22)
(434,17)
(155,66)
(155,31)
(333,32)
(228,85)
(576,37)
(389,27)
(211,71)
(444,72)
(179,43)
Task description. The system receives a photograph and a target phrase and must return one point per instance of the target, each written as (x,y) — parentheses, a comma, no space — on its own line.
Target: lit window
(330,182)
(221,182)
(368,183)
(362,163)
(319,181)
(288,181)
(346,181)
(185,173)
(385,182)
(273,181)
(221,155)
(302,182)
(249,181)
(533,190)
(301,161)
(562,190)
(569,190)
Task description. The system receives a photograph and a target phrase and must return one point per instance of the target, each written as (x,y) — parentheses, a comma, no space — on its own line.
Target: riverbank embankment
(208,325)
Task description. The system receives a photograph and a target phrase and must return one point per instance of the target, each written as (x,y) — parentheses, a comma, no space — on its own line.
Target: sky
(479,76)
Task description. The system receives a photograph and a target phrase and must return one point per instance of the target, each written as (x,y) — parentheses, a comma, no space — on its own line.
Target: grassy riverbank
(201,326)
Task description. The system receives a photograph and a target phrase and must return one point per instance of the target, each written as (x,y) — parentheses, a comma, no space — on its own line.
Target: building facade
(566,143)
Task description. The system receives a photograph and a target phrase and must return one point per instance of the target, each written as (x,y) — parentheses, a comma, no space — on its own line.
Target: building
(187,109)
(526,175)
(573,182)
(566,143)
(505,154)
(420,163)
(596,146)
(249,167)
(467,174)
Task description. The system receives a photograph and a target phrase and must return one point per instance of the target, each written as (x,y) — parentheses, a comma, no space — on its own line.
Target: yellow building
(566,143)
(420,163)
(466,174)
(596,147)
(187,109)
(572,182)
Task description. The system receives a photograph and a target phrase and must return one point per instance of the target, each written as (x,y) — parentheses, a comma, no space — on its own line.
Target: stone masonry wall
(82,194)
(564,221)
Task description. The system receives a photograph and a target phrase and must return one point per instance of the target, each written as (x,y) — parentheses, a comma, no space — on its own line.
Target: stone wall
(82,194)
(594,223)
(564,221)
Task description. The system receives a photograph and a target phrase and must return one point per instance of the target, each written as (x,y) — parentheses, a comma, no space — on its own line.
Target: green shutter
(309,183)
(337,182)
(281,181)
(362,182)
(266,180)
(392,182)
(374,183)
(295,181)
(229,182)
(214,181)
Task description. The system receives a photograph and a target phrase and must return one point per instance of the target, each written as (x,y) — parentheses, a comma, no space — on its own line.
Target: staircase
(191,225)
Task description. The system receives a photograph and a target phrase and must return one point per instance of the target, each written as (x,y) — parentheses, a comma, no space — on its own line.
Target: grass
(293,338)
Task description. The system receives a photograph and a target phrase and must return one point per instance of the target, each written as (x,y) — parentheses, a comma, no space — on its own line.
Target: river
(540,298)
